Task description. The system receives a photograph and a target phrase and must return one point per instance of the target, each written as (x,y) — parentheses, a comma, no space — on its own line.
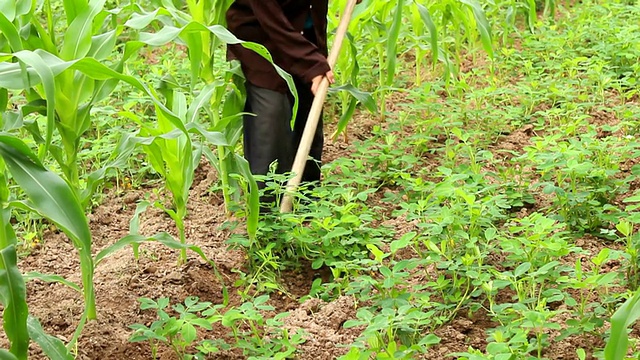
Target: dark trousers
(268,136)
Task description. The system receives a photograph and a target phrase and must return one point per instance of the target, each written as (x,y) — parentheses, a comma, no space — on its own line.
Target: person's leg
(267,134)
(312,168)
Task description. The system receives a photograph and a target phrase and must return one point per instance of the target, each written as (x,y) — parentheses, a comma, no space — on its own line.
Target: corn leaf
(4,100)
(102,45)
(253,202)
(47,76)
(392,43)
(10,32)
(46,190)
(53,347)
(77,38)
(344,119)
(627,314)
(136,239)
(170,33)
(7,234)
(49,278)
(5,355)
(356,96)
(433,30)
(8,8)
(13,295)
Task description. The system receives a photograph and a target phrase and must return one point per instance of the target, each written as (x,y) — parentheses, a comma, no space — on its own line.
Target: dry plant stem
(314,114)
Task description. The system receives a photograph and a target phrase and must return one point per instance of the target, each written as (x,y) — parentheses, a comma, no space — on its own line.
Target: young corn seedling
(173,155)
(618,343)
(347,68)
(421,19)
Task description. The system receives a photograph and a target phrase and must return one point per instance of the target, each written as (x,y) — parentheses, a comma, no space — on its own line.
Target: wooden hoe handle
(316,109)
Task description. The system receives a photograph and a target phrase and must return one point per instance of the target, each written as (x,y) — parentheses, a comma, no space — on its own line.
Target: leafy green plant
(265,338)
(180,333)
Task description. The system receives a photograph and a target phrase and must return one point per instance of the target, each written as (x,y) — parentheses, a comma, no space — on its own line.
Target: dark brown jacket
(279,26)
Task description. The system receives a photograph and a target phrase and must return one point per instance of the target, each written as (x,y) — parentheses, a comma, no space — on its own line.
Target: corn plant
(173,155)
(347,68)
(202,46)
(12,288)
(54,199)
(426,39)
(67,96)
(466,15)
(384,30)
(50,196)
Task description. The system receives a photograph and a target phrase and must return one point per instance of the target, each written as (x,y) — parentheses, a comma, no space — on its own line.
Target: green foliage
(180,333)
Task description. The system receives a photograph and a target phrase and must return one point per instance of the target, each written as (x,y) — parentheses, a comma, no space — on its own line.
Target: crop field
(480,195)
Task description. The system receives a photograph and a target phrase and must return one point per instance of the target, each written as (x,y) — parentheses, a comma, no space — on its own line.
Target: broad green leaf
(102,45)
(13,294)
(5,355)
(47,77)
(50,195)
(377,253)
(77,38)
(522,269)
(403,242)
(9,31)
(8,9)
(188,333)
(627,314)
(72,8)
(53,347)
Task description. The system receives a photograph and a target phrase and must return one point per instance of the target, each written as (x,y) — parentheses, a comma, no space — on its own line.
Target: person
(295,34)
